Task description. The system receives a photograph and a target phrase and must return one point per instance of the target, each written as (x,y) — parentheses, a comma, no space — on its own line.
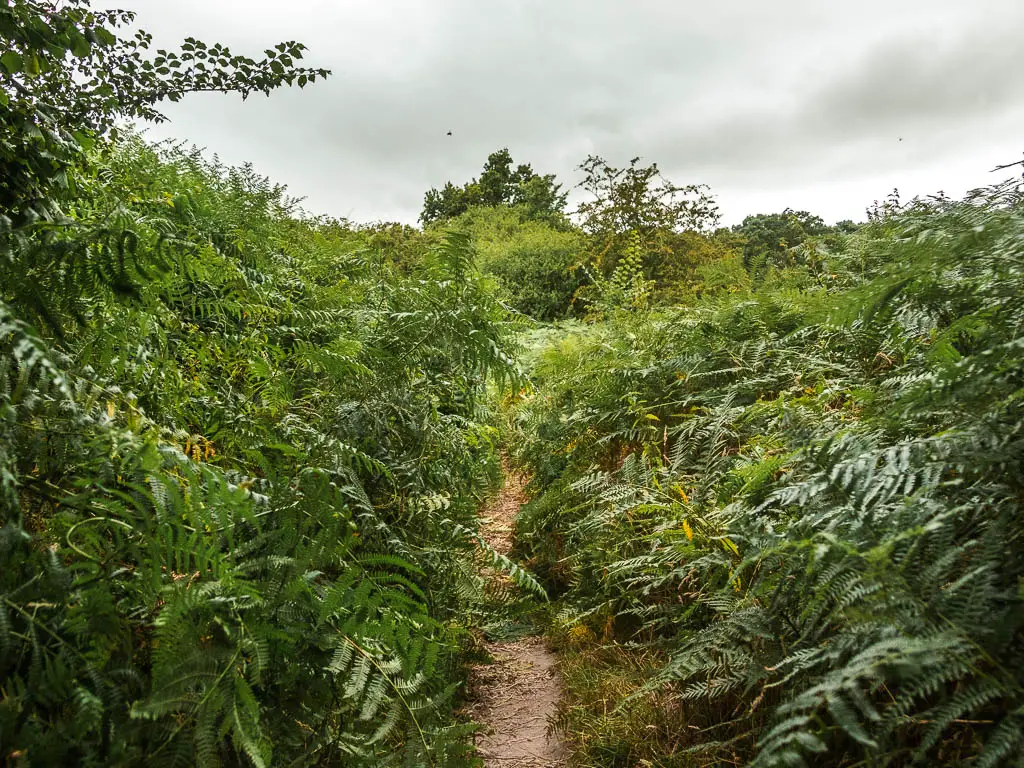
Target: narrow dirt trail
(516,696)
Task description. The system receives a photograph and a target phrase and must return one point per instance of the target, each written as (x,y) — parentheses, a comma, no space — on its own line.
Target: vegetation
(539,197)
(225,483)
(776,469)
(786,525)
(769,239)
(535,263)
(239,458)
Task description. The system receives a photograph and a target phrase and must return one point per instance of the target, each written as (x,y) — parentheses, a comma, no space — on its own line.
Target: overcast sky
(798,103)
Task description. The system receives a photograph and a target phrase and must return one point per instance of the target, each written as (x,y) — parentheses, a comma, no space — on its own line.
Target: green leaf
(105,36)
(80,47)
(12,62)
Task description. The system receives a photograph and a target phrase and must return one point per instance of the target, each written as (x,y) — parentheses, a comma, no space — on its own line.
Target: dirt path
(516,696)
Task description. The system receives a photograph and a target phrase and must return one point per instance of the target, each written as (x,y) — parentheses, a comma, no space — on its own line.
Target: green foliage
(637,199)
(806,500)
(535,263)
(240,451)
(544,262)
(401,245)
(539,197)
(67,74)
(236,462)
(688,266)
(626,288)
(769,238)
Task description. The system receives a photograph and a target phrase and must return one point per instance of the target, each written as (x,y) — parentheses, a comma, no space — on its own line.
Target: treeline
(549,261)
(785,521)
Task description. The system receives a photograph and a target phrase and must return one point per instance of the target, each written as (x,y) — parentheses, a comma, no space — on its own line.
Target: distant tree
(638,199)
(499,184)
(768,236)
(498,181)
(449,201)
(540,197)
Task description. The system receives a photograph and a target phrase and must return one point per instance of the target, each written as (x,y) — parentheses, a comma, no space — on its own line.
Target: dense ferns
(809,500)
(231,453)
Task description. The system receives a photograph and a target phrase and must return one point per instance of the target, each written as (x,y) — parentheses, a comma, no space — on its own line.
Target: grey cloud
(917,83)
(762,100)
(909,99)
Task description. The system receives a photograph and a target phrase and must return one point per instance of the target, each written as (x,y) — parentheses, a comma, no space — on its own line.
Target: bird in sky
(449,133)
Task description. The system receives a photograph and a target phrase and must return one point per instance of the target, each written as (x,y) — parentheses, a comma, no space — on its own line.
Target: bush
(534,262)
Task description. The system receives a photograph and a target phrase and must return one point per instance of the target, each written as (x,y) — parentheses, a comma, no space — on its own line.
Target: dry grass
(610,723)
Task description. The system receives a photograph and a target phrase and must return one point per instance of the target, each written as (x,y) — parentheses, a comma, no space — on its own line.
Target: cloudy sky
(822,105)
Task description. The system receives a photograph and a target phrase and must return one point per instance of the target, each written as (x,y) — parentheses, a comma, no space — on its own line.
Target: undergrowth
(240,463)
(805,499)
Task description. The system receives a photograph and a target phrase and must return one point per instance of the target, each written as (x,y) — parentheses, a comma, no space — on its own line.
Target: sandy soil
(516,696)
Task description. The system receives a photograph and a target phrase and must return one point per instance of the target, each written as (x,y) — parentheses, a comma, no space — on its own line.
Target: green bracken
(806,499)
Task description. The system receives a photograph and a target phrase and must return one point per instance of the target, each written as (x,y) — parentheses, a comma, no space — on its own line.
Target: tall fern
(808,502)
(218,430)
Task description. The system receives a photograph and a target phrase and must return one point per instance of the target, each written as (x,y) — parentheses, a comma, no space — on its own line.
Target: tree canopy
(67,73)
(769,235)
(539,196)
(639,198)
